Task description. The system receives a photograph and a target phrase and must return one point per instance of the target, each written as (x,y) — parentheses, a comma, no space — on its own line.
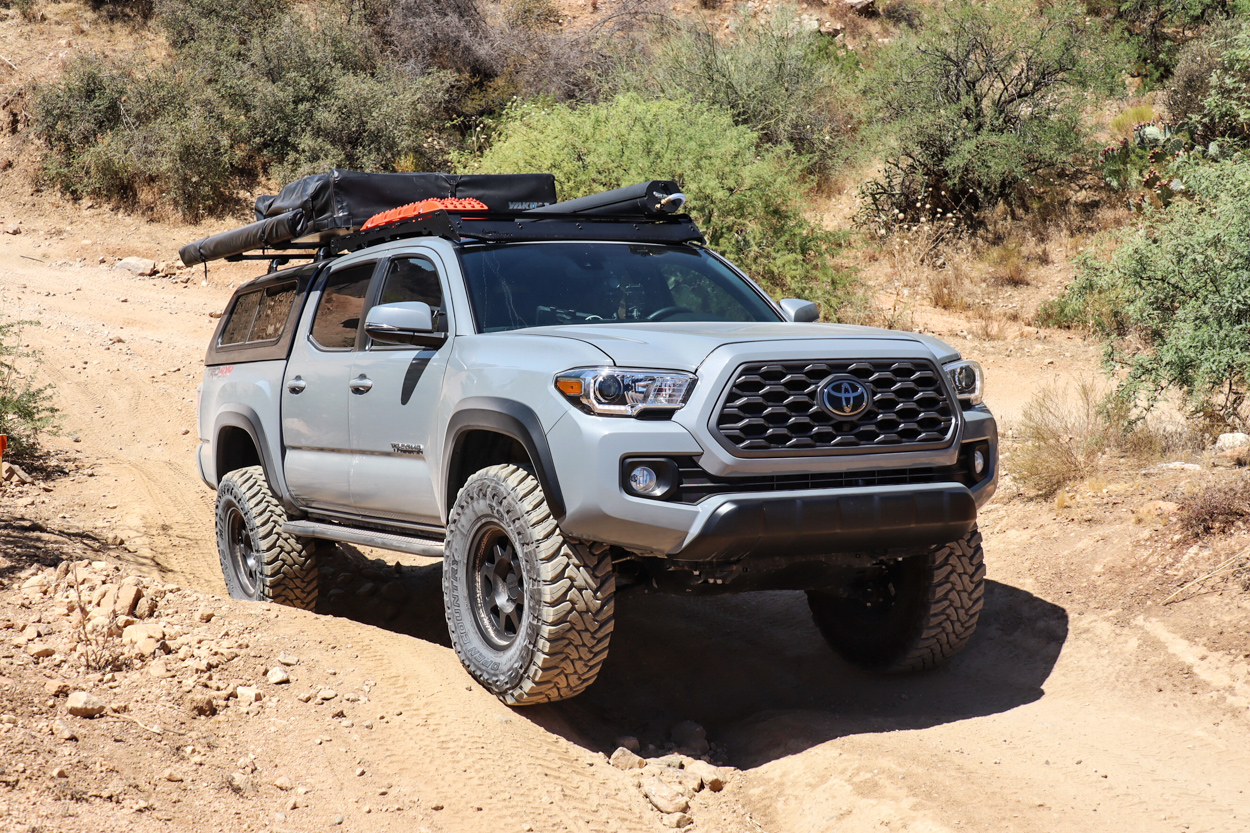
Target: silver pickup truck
(574,406)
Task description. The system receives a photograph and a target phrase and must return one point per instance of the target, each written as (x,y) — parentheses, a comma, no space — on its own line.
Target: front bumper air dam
(854,520)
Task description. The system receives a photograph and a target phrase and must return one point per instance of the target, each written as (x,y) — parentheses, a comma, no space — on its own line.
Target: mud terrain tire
(259,561)
(911,615)
(530,612)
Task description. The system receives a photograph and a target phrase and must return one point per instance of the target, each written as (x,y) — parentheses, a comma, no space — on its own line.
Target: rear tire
(530,612)
(908,615)
(259,561)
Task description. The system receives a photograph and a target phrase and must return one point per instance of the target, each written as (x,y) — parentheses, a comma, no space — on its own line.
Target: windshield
(540,284)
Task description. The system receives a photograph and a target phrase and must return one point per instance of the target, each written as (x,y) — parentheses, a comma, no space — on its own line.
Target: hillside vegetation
(964,130)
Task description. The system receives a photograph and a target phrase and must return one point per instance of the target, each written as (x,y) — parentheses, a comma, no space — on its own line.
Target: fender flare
(512,419)
(244,417)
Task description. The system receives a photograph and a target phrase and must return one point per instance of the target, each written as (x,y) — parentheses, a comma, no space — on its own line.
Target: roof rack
(346,211)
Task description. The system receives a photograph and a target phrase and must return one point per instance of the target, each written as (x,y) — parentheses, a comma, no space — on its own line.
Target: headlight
(968,381)
(611,391)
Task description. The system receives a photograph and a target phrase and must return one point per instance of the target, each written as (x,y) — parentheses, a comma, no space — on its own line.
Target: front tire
(530,612)
(907,615)
(259,561)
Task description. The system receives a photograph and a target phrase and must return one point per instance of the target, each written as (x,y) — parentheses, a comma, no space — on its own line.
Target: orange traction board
(416,209)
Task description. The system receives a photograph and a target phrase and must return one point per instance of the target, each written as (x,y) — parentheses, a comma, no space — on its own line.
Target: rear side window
(259,316)
(342,302)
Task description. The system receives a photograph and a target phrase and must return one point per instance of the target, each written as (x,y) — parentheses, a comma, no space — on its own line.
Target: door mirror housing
(799,311)
(409,322)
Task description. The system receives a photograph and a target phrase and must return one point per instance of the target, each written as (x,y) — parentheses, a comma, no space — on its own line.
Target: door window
(414,279)
(342,302)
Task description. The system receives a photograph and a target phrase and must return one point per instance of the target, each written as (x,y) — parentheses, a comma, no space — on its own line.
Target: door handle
(360,384)
(296,385)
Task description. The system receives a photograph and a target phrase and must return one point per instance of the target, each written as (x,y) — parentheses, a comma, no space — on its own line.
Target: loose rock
(63,732)
(283,783)
(629,742)
(248,694)
(1227,442)
(202,705)
(710,775)
(663,797)
(136,266)
(278,676)
(622,758)
(677,820)
(84,704)
(1160,508)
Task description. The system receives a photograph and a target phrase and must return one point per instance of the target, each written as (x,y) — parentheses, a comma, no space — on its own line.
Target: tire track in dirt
(446,741)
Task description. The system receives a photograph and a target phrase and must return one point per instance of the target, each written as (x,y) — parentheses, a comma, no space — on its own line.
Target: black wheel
(906,615)
(258,560)
(530,612)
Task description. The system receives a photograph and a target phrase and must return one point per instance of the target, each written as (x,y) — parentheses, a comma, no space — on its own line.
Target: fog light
(978,462)
(644,481)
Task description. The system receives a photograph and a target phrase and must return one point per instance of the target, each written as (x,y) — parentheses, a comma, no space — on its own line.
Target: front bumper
(588,452)
(830,521)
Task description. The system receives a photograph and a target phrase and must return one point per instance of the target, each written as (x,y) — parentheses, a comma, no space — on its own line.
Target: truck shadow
(757,675)
(751,669)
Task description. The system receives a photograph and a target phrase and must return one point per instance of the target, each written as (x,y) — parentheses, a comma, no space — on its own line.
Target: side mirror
(410,322)
(799,311)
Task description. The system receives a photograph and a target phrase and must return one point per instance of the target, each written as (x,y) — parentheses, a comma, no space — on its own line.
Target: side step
(365,537)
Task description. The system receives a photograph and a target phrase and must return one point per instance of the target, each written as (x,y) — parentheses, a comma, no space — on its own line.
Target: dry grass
(1220,508)
(989,324)
(1064,439)
(1122,125)
(1008,264)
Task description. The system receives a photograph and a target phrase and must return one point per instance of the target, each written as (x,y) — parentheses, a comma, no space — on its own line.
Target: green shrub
(1210,93)
(747,197)
(1173,298)
(982,99)
(772,75)
(254,87)
(1156,28)
(26,410)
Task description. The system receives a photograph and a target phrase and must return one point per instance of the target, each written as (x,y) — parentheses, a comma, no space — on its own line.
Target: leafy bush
(254,87)
(1173,298)
(747,197)
(1157,27)
(981,99)
(1190,83)
(1210,93)
(506,50)
(772,75)
(26,410)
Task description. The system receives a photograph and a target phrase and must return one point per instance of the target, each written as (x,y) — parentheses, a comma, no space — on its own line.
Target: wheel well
(235,450)
(477,449)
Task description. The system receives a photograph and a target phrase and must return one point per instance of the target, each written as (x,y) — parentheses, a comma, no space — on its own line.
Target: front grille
(772,407)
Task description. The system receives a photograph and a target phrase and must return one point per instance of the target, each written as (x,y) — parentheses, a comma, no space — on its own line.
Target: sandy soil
(1082,704)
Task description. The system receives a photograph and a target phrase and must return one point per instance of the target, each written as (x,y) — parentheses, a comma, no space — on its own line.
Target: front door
(393,415)
(315,418)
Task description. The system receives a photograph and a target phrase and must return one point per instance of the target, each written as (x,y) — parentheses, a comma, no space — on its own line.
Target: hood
(684,346)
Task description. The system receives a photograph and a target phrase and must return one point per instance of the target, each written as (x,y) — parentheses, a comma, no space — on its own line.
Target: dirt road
(1076,708)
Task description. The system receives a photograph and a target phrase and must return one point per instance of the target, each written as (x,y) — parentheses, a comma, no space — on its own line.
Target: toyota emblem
(843,396)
